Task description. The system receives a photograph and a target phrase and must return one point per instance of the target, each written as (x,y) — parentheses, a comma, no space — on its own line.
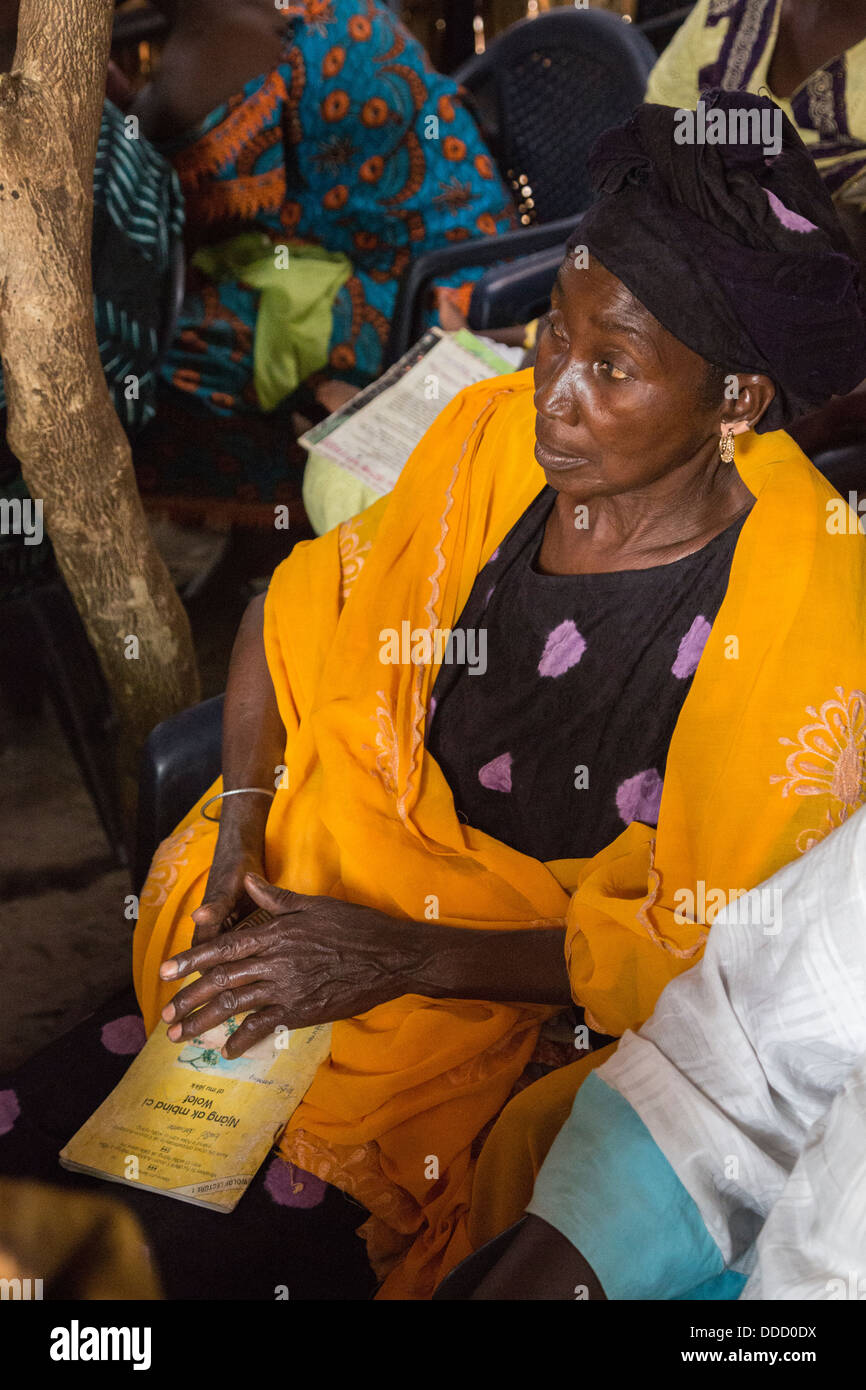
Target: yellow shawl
(767,756)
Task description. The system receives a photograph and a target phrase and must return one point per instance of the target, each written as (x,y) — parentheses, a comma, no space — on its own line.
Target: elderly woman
(660,703)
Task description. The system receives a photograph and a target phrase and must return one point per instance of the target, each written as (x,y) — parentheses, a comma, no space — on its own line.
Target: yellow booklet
(188,1123)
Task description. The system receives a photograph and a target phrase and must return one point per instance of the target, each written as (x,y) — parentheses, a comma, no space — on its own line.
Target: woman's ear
(754,395)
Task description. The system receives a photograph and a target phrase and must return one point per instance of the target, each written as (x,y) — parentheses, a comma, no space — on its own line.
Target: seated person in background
(651,638)
(721,1153)
(810,57)
(320,123)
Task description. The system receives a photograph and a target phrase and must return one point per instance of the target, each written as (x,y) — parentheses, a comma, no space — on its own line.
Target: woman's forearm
(253,731)
(526,966)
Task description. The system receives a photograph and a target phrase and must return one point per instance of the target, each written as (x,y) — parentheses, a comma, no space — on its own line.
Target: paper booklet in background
(374,434)
(188,1123)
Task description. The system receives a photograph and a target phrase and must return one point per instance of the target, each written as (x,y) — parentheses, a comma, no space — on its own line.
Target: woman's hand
(451,316)
(225,900)
(319,960)
(333,395)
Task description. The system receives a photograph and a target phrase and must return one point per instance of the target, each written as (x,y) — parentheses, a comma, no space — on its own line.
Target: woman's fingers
(221,977)
(219,915)
(209,919)
(225,900)
(225,1005)
(277,900)
(237,945)
(254,1027)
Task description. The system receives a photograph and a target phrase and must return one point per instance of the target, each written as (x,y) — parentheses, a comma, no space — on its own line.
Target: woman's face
(618,398)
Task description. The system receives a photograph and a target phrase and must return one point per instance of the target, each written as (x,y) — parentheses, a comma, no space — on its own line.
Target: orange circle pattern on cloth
(372,169)
(374,112)
(333,61)
(360,28)
(336,105)
(453,149)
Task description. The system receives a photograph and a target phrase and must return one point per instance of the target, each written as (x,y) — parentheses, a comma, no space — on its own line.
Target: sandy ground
(64,943)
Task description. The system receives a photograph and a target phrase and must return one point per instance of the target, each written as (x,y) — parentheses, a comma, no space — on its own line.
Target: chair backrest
(844,465)
(515,291)
(545,90)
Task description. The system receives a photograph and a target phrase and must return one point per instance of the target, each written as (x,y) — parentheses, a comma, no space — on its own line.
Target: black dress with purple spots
(556,736)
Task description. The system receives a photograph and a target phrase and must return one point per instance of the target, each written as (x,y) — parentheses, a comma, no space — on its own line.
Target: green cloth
(332,494)
(294,321)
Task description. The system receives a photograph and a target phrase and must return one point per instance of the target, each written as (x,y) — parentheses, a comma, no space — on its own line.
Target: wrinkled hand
(225,900)
(319,960)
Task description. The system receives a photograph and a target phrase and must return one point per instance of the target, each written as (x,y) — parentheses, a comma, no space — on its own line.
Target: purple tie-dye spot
(9,1111)
(639,797)
(489,595)
(691,649)
(289,1186)
(496,775)
(788,218)
(494,556)
(562,650)
(124,1035)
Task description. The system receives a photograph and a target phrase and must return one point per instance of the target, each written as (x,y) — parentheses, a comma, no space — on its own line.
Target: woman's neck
(637,530)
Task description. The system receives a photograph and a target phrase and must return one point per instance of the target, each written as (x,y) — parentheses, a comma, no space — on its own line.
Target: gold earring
(726,447)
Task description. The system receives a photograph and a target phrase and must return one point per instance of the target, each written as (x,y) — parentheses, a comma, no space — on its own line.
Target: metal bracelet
(238,791)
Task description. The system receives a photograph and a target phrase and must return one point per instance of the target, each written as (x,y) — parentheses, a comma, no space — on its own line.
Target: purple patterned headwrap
(735,248)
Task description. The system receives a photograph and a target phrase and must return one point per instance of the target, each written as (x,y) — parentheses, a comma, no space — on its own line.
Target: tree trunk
(61,422)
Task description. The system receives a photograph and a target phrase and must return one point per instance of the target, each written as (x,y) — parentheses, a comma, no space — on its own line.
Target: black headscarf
(738,253)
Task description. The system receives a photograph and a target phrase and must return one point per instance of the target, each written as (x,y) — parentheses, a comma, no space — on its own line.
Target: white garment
(813,1244)
(751,1076)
